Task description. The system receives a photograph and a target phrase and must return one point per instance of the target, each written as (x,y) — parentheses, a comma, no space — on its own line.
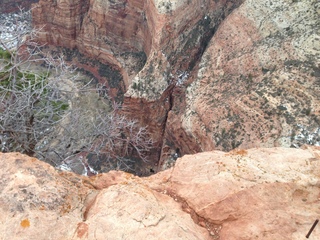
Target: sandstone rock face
(167,37)
(203,75)
(37,202)
(257,83)
(244,194)
(59,21)
(119,32)
(254,194)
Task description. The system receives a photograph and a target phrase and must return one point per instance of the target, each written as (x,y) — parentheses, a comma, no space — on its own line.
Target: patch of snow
(305,136)
(182,77)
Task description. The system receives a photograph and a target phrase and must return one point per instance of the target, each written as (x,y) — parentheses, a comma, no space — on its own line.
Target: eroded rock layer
(172,34)
(203,75)
(270,193)
(257,83)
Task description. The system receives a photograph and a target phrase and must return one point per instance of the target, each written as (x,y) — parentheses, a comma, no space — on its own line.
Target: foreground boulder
(244,194)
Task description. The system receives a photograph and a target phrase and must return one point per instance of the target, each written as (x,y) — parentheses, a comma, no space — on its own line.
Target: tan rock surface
(244,194)
(134,211)
(36,202)
(254,194)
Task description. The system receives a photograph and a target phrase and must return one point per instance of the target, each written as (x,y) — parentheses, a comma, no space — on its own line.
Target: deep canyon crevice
(173,35)
(202,75)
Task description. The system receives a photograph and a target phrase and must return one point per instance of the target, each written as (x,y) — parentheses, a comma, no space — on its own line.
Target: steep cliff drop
(216,74)
(171,34)
(257,84)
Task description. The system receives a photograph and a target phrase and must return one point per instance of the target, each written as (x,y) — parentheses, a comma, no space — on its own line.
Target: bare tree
(41,112)
(30,103)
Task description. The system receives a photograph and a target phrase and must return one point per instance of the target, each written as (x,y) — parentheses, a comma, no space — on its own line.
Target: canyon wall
(255,194)
(257,83)
(203,75)
(171,34)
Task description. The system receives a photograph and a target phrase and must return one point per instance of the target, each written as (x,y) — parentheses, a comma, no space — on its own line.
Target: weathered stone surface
(36,202)
(268,193)
(131,210)
(254,194)
(59,21)
(257,83)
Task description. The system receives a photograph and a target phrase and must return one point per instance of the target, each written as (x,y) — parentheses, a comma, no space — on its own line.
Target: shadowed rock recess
(202,75)
(265,193)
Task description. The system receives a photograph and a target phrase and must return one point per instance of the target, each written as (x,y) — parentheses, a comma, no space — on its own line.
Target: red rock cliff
(173,35)
(212,80)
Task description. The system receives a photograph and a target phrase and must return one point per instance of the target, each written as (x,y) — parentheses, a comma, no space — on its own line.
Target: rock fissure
(170,43)
(213,229)
(226,46)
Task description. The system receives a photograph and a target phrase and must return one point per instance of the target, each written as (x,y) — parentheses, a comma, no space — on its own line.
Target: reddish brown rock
(59,21)
(169,35)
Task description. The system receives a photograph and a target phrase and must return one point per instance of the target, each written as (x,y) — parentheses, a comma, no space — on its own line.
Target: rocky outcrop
(247,194)
(244,194)
(37,202)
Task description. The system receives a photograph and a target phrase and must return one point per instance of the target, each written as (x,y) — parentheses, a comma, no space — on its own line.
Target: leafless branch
(41,110)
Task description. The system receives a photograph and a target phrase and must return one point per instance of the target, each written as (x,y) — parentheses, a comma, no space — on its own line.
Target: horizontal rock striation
(60,21)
